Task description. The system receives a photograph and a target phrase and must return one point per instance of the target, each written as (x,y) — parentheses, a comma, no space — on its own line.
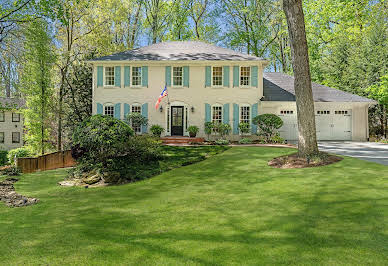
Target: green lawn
(229,209)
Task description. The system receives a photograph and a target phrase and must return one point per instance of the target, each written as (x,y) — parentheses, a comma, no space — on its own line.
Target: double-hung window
(177,76)
(1,137)
(15,137)
(15,117)
(136,109)
(109,110)
(245,76)
(245,114)
(217,76)
(109,76)
(136,76)
(216,115)
(2,116)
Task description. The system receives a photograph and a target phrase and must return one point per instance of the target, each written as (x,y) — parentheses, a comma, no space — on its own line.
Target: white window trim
(250,117)
(250,77)
(131,77)
(114,77)
(211,77)
(172,77)
(109,104)
(211,114)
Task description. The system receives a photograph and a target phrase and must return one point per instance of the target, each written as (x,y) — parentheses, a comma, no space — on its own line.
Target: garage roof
(179,50)
(280,87)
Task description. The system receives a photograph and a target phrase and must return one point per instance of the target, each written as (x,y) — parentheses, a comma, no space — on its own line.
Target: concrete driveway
(369,151)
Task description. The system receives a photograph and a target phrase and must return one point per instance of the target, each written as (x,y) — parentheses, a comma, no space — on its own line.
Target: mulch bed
(11,198)
(293,161)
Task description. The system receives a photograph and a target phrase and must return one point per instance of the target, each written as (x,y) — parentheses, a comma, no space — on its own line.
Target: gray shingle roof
(11,103)
(280,87)
(179,50)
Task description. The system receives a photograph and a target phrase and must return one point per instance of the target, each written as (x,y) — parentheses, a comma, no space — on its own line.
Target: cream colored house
(11,123)
(210,83)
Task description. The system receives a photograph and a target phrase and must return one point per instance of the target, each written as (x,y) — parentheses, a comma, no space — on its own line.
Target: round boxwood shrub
(156,130)
(99,139)
(268,124)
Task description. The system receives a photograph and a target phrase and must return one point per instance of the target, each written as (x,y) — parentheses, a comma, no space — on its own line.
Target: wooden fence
(49,161)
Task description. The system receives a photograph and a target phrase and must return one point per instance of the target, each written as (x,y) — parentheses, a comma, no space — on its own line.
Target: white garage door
(289,130)
(334,125)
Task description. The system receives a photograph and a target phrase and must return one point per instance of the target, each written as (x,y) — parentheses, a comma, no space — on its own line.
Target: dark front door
(177,120)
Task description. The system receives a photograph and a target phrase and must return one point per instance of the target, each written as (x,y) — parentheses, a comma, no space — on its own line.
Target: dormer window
(245,76)
(136,76)
(217,76)
(109,76)
(177,76)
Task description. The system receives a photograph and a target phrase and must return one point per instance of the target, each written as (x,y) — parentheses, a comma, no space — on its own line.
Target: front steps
(181,140)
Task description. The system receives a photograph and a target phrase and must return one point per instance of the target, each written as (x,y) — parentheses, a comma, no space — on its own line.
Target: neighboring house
(11,123)
(210,83)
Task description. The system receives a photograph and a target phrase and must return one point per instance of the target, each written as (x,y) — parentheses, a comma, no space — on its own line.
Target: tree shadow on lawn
(238,211)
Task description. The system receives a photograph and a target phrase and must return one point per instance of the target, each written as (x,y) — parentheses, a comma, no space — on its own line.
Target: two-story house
(11,123)
(209,83)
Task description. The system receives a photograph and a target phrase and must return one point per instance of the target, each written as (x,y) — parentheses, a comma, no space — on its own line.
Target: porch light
(192,109)
(161,109)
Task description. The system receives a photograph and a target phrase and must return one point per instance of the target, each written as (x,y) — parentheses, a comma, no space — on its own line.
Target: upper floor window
(245,114)
(177,76)
(245,76)
(136,76)
(135,108)
(15,117)
(217,76)
(1,137)
(109,110)
(15,137)
(109,76)
(2,116)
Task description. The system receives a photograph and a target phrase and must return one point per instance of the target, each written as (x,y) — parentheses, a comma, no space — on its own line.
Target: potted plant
(156,130)
(193,130)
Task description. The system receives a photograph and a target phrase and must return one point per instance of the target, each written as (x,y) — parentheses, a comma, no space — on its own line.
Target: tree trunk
(307,144)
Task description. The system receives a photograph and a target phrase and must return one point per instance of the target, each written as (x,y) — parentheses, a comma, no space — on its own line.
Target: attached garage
(338,115)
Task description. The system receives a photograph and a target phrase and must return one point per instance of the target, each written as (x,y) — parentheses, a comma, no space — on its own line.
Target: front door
(177,120)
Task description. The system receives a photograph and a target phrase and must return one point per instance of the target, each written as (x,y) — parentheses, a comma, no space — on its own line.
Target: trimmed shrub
(222,129)
(156,130)
(208,129)
(244,128)
(3,157)
(245,141)
(18,153)
(222,142)
(268,124)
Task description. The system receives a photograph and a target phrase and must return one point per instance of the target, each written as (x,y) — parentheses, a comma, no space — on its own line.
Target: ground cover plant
(229,209)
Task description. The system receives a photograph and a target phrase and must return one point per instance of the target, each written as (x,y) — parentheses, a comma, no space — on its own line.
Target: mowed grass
(229,209)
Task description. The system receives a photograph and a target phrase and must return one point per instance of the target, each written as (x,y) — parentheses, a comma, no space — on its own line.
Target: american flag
(162,95)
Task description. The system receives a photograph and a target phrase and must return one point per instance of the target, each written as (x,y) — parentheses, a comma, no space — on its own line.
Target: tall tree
(37,77)
(307,144)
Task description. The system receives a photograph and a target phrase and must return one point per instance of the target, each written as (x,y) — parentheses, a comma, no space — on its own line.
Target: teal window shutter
(127,76)
(186,76)
(99,109)
(144,76)
(208,70)
(118,111)
(168,76)
(235,119)
(207,113)
(226,76)
(225,119)
(144,112)
(254,76)
(126,109)
(236,76)
(118,76)
(254,114)
(100,81)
